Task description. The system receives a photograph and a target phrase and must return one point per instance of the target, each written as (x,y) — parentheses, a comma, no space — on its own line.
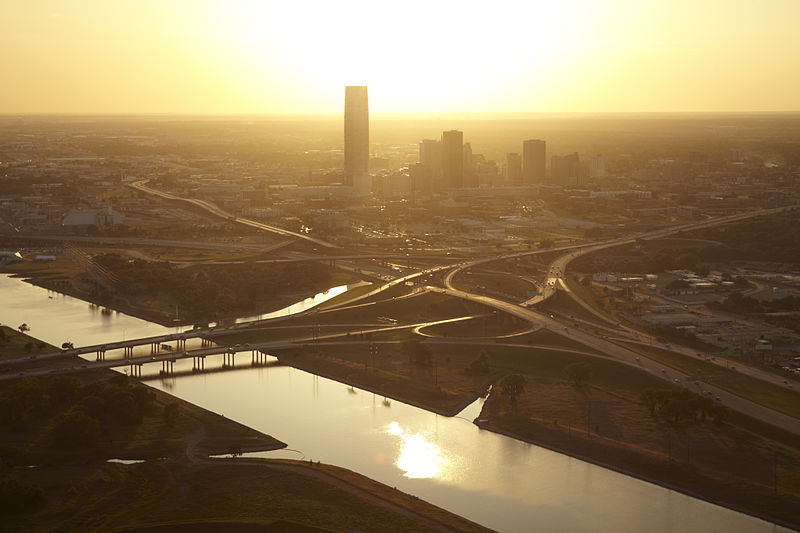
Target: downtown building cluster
(448,163)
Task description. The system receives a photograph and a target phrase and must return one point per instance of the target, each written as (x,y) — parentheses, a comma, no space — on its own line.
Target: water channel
(491,479)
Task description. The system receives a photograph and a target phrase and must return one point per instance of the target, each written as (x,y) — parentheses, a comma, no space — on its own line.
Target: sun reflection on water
(418,457)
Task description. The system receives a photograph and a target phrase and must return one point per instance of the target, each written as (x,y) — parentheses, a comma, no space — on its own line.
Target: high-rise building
(513,169)
(356,135)
(597,166)
(430,154)
(453,158)
(564,169)
(533,161)
(430,157)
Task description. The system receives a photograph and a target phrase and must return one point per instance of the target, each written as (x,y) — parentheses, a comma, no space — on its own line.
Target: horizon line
(4,114)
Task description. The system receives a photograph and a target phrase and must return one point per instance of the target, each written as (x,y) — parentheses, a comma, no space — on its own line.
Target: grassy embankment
(72,487)
(604,420)
(494,284)
(200,293)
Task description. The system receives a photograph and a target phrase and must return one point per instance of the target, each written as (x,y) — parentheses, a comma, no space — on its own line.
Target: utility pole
(373,351)
(588,416)
(688,443)
(775,472)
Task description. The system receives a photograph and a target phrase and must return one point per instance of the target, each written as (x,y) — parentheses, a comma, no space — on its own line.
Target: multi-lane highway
(215,210)
(554,280)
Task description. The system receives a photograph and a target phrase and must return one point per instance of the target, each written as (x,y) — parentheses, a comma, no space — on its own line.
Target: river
(491,479)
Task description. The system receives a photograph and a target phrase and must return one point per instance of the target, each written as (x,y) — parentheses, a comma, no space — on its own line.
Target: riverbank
(738,463)
(156,314)
(732,463)
(169,479)
(158,292)
(628,465)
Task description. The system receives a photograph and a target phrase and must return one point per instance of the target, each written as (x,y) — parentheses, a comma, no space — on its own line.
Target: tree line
(212,291)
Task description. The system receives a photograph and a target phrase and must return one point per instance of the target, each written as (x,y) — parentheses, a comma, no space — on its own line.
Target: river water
(494,480)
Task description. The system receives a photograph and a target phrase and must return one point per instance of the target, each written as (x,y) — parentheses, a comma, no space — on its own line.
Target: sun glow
(414,56)
(248,56)
(418,457)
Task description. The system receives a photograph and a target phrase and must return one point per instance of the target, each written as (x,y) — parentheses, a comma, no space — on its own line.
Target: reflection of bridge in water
(257,362)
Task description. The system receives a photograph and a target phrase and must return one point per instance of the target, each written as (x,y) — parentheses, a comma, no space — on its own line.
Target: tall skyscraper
(453,158)
(513,169)
(533,161)
(356,135)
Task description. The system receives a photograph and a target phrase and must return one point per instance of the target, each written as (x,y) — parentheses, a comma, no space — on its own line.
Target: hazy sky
(209,56)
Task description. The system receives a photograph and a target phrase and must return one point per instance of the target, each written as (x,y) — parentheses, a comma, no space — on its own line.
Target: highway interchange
(553,282)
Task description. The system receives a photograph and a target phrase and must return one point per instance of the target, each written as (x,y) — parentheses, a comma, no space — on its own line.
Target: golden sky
(280,56)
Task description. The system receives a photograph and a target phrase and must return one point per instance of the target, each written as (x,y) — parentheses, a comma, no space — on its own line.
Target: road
(554,280)
(632,359)
(214,210)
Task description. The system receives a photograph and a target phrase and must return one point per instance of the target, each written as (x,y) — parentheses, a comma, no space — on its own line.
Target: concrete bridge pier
(101,355)
(128,352)
(258,358)
(205,342)
(199,363)
(181,343)
(136,370)
(228,358)
(168,367)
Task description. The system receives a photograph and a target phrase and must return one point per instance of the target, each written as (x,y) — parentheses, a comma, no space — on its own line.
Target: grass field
(495,282)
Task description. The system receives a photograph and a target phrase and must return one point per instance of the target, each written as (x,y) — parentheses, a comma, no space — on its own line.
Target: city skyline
(252,58)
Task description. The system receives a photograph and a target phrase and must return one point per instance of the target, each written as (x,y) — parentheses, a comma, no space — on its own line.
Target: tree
(418,353)
(512,386)
(171,412)
(24,327)
(578,373)
(67,346)
(76,430)
(235,449)
(479,366)
(19,496)
(63,390)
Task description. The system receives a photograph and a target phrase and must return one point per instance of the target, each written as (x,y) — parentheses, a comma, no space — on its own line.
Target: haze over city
(250,57)
(429,266)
